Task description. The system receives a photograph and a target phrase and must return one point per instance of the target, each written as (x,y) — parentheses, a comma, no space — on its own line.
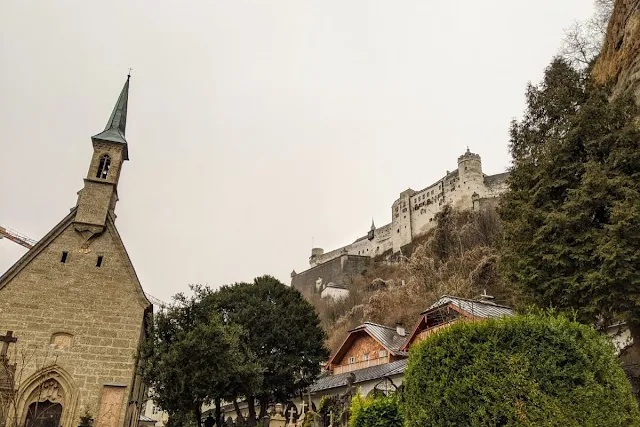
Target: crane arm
(28,243)
(14,236)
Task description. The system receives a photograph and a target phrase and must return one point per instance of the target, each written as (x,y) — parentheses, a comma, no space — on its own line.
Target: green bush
(519,371)
(382,411)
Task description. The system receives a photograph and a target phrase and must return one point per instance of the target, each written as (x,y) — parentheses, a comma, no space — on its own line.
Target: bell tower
(99,196)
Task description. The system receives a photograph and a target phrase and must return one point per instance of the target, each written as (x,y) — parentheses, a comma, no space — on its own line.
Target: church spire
(116,126)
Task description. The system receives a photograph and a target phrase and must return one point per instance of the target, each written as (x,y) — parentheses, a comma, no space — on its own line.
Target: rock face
(619,60)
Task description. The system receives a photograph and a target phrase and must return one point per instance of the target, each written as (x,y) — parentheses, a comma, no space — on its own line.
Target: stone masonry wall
(413,213)
(337,270)
(96,310)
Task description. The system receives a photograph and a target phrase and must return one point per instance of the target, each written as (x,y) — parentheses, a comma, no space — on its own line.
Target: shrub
(519,371)
(382,411)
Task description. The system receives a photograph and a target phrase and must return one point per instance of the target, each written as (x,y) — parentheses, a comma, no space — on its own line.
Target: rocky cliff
(619,61)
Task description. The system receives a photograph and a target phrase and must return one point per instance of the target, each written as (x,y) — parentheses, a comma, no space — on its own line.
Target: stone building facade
(76,305)
(413,213)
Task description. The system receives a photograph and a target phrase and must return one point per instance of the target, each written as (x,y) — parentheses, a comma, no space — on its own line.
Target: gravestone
(278,420)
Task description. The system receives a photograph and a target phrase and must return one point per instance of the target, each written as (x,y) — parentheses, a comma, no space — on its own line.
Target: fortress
(412,215)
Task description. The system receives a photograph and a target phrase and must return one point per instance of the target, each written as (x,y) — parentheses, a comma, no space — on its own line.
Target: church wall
(95,310)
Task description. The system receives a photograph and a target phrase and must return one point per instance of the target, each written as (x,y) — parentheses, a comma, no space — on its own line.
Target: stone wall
(413,213)
(80,325)
(337,270)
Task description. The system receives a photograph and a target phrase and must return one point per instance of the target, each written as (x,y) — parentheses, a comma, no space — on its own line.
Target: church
(76,310)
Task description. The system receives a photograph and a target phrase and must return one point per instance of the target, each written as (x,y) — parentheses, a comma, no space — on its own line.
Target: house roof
(361,375)
(476,308)
(335,285)
(387,337)
(466,307)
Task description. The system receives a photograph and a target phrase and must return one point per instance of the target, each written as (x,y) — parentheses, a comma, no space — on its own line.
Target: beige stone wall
(413,213)
(85,320)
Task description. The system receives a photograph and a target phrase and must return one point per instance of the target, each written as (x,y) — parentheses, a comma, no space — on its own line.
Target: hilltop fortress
(412,215)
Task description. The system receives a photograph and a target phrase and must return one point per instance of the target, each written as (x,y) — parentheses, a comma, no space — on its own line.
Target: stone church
(76,309)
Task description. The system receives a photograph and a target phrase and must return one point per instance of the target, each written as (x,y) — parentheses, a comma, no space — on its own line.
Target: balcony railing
(340,369)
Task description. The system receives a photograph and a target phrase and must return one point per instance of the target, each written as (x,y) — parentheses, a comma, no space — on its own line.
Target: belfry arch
(48,395)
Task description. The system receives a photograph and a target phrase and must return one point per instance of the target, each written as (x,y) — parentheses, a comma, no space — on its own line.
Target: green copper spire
(115,129)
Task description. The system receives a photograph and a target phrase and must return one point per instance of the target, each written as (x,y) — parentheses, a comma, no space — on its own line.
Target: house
(369,344)
(334,291)
(448,310)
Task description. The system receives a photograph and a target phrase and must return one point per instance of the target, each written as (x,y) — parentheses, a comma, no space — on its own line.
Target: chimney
(486,297)
(400,330)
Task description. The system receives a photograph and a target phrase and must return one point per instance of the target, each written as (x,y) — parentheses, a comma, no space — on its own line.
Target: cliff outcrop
(619,60)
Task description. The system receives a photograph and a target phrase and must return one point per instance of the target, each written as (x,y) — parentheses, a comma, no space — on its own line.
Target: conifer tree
(572,215)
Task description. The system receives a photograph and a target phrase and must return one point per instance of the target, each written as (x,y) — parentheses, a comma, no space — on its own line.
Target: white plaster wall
(413,213)
(334,293)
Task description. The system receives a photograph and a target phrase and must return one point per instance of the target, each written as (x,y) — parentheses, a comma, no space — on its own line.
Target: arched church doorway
(44,414)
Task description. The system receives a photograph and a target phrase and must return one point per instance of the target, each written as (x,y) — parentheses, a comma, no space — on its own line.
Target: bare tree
(11,378)
(583,39)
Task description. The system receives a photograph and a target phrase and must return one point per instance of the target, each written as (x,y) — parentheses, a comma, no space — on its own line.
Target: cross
(130,70)
(304,405)
(291,412)
(6,340)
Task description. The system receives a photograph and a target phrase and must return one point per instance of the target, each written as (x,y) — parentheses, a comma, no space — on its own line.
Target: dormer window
(103,167)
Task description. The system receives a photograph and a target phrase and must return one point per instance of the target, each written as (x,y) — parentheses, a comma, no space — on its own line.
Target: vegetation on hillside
(458,257)
(572,215)
(519,371)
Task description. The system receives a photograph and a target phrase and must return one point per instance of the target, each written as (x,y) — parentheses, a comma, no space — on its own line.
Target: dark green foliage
(572,216)
(381,411)
(283,331)
(192,358)
(520,371)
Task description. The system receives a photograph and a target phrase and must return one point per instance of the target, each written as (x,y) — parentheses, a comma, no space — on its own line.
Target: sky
(257,128)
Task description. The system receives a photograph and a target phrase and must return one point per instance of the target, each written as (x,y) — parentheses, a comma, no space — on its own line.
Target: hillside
(458,257)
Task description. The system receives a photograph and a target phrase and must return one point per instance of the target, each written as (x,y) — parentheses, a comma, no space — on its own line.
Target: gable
(42,269)
(363,344)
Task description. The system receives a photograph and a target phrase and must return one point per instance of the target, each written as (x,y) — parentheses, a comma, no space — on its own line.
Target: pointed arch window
(103,167)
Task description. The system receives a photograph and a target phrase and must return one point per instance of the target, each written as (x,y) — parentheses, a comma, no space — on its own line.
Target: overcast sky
(255,126)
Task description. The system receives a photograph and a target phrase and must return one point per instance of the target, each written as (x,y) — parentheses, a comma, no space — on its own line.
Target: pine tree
(572,215)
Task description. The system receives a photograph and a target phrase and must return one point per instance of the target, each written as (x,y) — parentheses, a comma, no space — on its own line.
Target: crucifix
(6,340)
(130,70)
(291,413)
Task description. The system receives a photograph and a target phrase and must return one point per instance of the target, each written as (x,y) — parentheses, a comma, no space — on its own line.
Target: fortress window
(64,257)
(103,167)
(99,262)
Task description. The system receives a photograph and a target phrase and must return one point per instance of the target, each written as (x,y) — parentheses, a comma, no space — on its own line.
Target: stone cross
(291,413)
(6,340)
(304,405)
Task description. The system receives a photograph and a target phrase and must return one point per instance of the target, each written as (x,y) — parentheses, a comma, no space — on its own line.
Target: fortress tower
(413,215)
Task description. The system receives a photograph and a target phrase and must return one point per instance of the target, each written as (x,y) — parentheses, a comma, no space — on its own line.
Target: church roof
(114,131)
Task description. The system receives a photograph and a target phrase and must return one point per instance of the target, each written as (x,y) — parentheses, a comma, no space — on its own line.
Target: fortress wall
(338,270)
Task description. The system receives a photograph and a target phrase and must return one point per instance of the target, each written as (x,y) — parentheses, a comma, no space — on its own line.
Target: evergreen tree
(572,215)
(193,358)
(283,331)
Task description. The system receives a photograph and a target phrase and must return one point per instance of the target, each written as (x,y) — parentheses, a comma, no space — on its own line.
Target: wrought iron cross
(130,70)
(6,340)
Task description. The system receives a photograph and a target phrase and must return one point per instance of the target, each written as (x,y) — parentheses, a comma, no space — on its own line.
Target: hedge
(381,411)
(518,371)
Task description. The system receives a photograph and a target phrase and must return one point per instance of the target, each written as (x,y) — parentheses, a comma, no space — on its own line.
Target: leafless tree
(583,39)
(12,372)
